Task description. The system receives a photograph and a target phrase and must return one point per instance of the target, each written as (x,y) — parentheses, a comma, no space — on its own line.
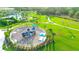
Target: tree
(71,13)
(76,15)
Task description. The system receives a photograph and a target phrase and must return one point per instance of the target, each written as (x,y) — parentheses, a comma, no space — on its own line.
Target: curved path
(61,25)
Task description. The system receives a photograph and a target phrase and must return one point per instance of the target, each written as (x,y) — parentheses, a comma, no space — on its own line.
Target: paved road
(2,38)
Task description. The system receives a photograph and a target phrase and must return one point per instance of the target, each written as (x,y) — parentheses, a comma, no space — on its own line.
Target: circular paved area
(16,37)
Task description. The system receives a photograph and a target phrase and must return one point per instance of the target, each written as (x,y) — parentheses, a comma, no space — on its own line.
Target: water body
(2,38)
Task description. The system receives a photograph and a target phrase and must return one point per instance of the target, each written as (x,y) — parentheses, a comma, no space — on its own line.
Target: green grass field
(65,39)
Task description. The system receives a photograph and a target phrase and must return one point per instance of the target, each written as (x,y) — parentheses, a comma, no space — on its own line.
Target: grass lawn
(65,39)
(42,18)
(65,22)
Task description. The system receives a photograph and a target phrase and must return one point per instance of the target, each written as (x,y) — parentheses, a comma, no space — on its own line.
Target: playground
(28,36)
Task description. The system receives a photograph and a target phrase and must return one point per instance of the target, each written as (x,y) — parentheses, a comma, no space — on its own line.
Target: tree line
(72,12)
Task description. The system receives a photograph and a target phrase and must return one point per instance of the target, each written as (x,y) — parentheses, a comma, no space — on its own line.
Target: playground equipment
(29,33)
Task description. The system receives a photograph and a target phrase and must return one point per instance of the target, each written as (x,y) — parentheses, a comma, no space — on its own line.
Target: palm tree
(53,40)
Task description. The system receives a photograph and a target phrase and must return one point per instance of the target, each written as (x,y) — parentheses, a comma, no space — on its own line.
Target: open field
(66,39)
